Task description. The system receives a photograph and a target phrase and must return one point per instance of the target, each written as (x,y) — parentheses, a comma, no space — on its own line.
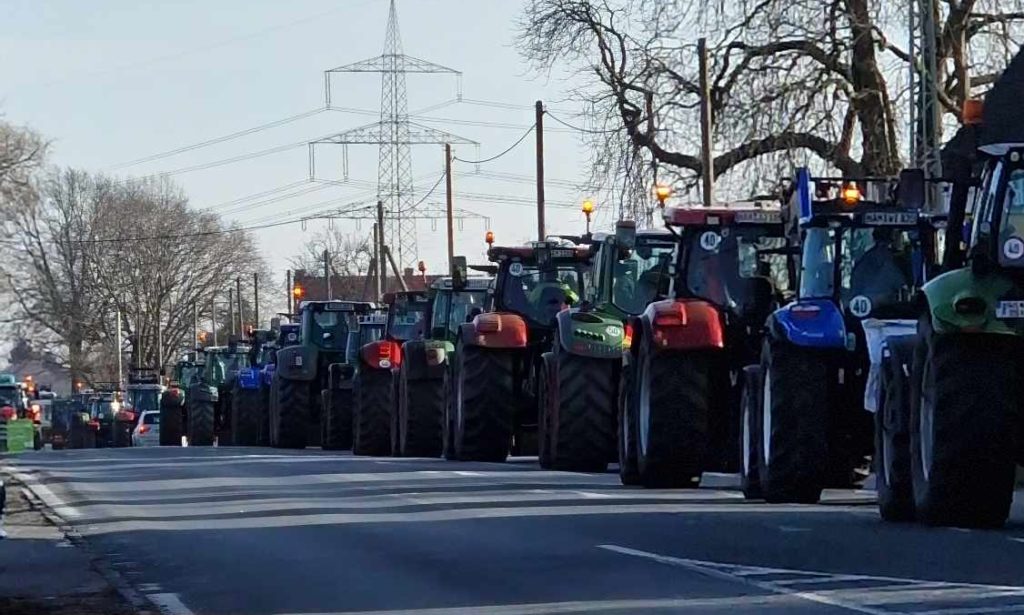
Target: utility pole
(238,298)
(256,300)
(288,289)
(327,273)
(159,325)
(138,338)
(120,352)
(213,319)
(706,156)
(381,268)
(925,110)
(231,312)
(195,324)
(394,267)
(375,265)
(539,112)
(448,204)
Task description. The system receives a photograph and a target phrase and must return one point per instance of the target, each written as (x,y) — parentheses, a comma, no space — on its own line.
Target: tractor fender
(590,334)
(248,378)
(682,324)
(340,375)
(200,392)
(944,292)
(426,359)
(296,363)
(382,354)
(495,330)
(811,323)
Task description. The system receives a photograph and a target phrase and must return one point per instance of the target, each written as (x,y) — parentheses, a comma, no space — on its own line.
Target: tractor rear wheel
(291,425)
(672,413)
(546,411)
(893,479)
(170,419)
(337,419)
(200,422)
(794,425)
(750,432)
(420,416)
(245,416)
(371,429)
(629,472)
(962,449)
(583,418)
(485,403)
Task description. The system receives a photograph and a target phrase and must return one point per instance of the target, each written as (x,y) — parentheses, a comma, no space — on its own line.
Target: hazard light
(627,336)
(851,194)
(489,238)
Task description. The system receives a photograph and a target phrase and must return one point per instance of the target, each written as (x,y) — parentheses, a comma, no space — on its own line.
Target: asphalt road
(257,531)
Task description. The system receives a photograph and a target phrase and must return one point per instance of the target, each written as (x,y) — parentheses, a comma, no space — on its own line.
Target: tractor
(110,418)
(374,383)
(498,363)
(327,329)
(208,403)
(420,409)
(580,380)
(173,401)
(961,413)
(682,370)
(143,391)
(287,335)
(247,408)
(339,395)
(866,251)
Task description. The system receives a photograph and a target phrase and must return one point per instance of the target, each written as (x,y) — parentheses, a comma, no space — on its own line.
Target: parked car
(147,432)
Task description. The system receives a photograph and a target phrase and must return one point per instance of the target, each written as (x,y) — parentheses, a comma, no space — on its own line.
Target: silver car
(147,432)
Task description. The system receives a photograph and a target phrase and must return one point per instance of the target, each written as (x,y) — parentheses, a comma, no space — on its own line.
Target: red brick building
(356,287)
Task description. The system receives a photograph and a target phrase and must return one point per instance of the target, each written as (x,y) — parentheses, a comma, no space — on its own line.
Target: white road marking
(873,595)
(169,604)
(1016,539)
(51,499)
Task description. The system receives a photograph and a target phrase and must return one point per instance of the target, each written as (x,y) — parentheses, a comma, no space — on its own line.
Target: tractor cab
(631,269)
(407,315)
(454,302)
(142,394)
(222,364)
(327,324)
(539,280)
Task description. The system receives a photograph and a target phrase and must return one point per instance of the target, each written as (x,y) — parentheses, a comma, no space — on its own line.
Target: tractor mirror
(275,323)
(625,234)
(460,272)
(910,189)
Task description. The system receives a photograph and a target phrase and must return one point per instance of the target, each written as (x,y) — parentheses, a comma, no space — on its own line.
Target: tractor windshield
(1011,229)
(328,328)
(144,399)
(220,365)
(733,268)
(407,318)
(451,309)
(643,276)
(875,267)
(11,396)
(539,294)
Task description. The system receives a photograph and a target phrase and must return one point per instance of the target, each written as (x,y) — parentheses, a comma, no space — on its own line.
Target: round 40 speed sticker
(1013,248)
(860,306)
(515,269)
(710,240)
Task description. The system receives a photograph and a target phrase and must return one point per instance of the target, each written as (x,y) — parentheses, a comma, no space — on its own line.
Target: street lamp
(662,191)
(587,208)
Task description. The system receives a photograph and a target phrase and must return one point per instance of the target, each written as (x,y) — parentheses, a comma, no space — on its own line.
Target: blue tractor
(286,334)
(866,250)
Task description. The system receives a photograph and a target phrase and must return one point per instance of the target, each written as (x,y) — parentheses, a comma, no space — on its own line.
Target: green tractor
(208,403)
(965,416)
(173,401)
(328,329)
(579,384)
(498,362)
(417,430)
(339,397)
(375,385)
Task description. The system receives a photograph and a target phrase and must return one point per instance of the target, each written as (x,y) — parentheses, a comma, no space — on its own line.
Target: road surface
(259,531)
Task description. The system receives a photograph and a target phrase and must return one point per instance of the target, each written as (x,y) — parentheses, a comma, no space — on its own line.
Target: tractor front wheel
(171,418)
(583,417)
(245,416)
(893,479)
(420,416)
(750,432)
(371,428)
(629,472)
(200,422)
(290,424)
(337,419)
(485,403)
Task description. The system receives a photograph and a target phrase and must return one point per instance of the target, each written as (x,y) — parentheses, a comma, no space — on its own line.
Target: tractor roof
(867,201)
(478,282)
(538,251)
(753,213)
(643,233)
(337,306)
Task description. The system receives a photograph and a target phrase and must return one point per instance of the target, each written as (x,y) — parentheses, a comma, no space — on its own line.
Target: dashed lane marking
(169,604)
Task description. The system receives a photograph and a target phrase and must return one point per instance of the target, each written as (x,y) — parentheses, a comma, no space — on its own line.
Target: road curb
(138,600)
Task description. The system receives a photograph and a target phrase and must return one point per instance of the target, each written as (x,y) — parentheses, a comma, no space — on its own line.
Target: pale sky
(112,81)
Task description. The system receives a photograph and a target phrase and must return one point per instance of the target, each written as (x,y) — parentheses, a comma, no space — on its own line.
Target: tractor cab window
(407,319)
(643,276)
(453,309)
(145,399)
(728,268)
(540,294)
(188,376)
(1011,229)
(329,327)
(11,396)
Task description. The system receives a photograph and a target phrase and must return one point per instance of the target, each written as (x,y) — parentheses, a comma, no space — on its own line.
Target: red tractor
(683,371)
(494,410)
(375,382)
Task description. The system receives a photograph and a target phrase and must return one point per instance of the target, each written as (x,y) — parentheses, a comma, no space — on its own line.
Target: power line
(256,195)
(577,128)
(510,148)
(427,195)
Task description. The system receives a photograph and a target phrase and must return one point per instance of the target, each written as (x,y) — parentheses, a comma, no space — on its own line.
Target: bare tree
(21,154)
(350,253)
(792,80)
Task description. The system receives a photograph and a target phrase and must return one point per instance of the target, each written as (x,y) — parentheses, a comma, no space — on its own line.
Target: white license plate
(890,218)
(1010,309)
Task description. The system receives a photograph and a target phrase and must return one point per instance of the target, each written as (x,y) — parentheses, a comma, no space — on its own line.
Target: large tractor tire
(963,417)
(264,415)
(448,427)
(629,470)
(794,425)
(290,425)
(546,411)
(485,403)
(750,432)
(200,422)
(121,436)
(245,416)
(171,407)
(337,420)
(371,428)
(584,418)
(672,417)
(420,416)
(893,477)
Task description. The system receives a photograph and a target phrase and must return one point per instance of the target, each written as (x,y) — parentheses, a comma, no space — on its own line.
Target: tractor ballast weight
(684,362)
